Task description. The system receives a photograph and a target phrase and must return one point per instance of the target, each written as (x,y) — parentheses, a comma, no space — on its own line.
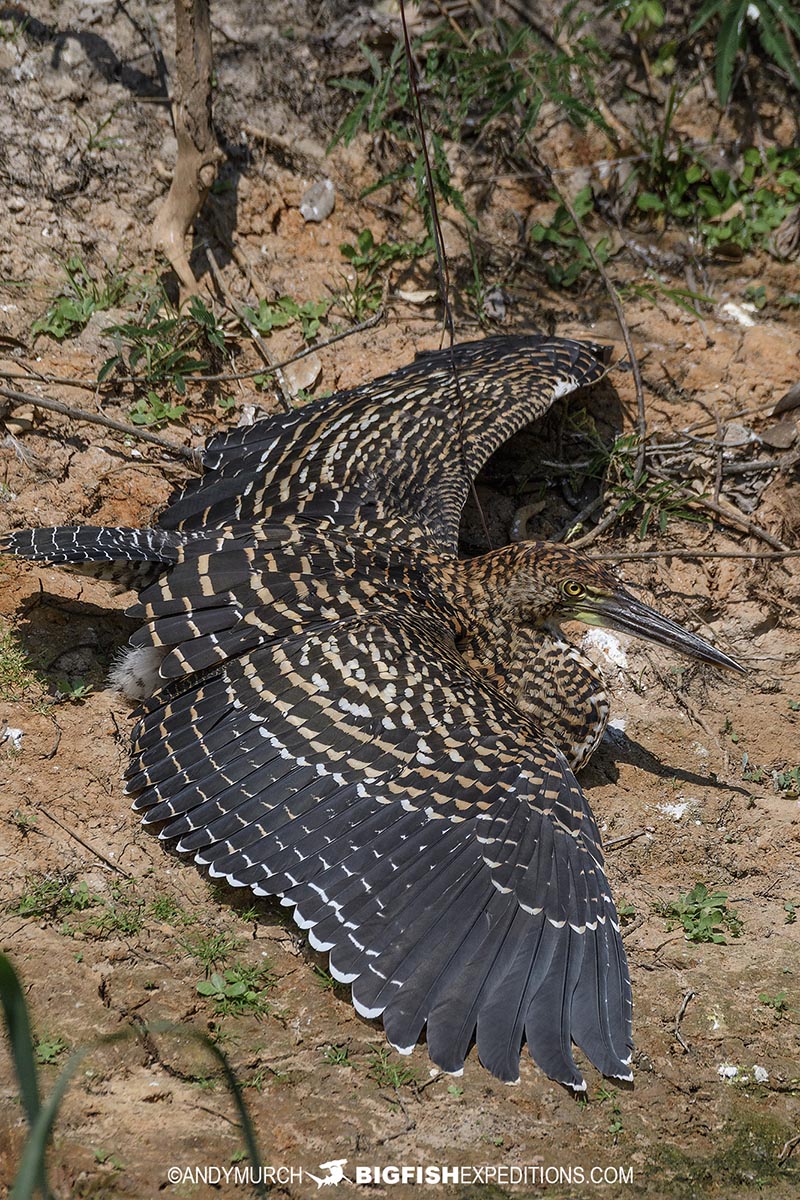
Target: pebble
(318,201)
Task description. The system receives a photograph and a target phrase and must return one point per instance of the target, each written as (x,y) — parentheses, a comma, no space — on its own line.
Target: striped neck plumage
(507,631)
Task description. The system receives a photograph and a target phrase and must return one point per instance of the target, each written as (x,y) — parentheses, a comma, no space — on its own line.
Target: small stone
(780,436)
(421,297)
(303,374)
(789,401)
(736,435)
(318,201)
(495,304)
(742,314)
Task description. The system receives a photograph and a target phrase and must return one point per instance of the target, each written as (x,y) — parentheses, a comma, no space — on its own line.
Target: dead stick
(729,514)
(77,837)
(79,414)
(258,341)
(757,555)
(679,1017)
(93,385)
(641,421)
(788,1147)
(624,838)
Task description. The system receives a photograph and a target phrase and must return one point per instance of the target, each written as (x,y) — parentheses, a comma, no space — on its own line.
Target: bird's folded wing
(414,439)
(427,837)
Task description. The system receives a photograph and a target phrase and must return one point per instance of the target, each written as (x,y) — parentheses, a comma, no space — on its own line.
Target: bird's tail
(129,557)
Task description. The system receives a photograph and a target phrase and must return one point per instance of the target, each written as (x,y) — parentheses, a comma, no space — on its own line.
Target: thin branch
(641,419)
(94,385)
(728,514)
(624,839)
(258,341)
(608,520)
(681,1013)
(79,414)
(81,842)
(441,263)
(788,1147)
(754,555)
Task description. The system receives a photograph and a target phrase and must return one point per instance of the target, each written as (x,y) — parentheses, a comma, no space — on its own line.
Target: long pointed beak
(625,613)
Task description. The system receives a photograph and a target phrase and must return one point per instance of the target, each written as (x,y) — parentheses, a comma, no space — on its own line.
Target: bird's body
(348,716)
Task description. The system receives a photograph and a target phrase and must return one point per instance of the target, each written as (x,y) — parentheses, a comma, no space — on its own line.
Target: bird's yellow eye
(573,590)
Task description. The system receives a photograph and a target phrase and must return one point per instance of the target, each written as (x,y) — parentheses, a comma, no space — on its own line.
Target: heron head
(582,589)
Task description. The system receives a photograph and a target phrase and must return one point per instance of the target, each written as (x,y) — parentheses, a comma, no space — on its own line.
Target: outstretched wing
(411,442)
(421,829)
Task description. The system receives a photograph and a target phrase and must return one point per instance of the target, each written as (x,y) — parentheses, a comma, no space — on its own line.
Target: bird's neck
(527,658)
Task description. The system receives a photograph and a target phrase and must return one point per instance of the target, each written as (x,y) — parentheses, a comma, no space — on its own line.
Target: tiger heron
(339,712)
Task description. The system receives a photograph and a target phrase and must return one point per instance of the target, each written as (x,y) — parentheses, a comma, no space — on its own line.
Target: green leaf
(15,1012)
(650,202)
(728,41)
(708,10)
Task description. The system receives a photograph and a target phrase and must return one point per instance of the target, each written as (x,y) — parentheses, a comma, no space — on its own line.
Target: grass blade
(15,1011)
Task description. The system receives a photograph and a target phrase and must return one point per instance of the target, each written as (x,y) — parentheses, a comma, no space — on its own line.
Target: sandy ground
(110,933)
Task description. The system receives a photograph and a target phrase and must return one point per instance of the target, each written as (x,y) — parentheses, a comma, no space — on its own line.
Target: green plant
(31,1174)
(74,691)
(772,22)
(24,822)
(641,17)
(338,1055)
(659,499)
(750,773)
(386,1072)
(325,979)
(239,989)
(153,411)
(285,311)
(615,1125)
(790,908)
(728,728)
(167,909)
(49,1049)
(80,296)
(499,76)
(654,288)
(704,915)
(107,1158)
(787,782)
(214,949)
(566,254)
(51,896)
(122,913)
(166,345)
(18,680)
(94,133)
(778,1002)
(738,206)
(370,259)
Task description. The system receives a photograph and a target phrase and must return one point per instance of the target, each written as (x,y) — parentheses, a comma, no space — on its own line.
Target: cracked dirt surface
(123,931)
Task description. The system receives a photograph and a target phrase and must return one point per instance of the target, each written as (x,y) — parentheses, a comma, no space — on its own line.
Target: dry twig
(82,842)
(80,414)
(679,1017)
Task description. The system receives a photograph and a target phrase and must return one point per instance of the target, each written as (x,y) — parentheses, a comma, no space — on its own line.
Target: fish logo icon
(335,1173)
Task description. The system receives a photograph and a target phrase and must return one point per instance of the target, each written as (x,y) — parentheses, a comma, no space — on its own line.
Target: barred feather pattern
(127,557)
(413,440)
(346,718)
